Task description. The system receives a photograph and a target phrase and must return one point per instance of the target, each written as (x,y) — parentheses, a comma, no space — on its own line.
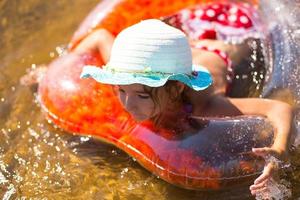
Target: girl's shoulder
(217,106)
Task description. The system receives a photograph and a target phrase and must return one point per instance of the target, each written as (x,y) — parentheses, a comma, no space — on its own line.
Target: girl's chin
(139,118)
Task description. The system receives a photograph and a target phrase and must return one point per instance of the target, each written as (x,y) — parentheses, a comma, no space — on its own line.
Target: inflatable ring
(216,156)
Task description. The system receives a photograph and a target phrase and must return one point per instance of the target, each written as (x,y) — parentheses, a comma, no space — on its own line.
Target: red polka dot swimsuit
(229,22)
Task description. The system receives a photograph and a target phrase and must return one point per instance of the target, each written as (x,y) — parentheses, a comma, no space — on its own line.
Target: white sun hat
(150,53)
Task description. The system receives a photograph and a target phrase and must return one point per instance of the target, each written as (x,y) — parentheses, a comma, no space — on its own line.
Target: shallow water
(39,161)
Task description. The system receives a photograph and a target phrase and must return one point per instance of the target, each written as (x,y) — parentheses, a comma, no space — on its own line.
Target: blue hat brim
(201,81)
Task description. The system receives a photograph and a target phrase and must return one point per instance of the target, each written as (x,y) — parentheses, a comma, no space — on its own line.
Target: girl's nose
(126,101)
(129,103)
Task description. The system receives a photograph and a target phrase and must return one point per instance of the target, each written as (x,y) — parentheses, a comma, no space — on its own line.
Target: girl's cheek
(122,98)
(146,107)
(151,110)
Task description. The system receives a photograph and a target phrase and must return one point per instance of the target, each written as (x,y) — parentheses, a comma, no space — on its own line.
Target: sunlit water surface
(39,161)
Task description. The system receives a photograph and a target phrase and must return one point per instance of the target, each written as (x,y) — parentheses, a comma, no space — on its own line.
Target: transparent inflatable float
(215,156)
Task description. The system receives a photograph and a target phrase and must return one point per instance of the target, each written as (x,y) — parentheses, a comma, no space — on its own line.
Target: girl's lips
(138,116)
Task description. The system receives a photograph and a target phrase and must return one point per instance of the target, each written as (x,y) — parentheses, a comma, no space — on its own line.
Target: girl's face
(138,102)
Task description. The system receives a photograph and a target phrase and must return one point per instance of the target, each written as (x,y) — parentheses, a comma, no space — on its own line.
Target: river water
(40,161)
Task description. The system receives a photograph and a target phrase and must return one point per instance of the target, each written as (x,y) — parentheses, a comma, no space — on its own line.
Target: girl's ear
(180,86)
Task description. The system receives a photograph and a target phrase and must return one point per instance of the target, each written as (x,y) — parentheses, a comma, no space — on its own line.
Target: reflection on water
(47,163)
(38,160)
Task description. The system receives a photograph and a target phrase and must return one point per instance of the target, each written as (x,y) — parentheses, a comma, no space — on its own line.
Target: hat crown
(151,45)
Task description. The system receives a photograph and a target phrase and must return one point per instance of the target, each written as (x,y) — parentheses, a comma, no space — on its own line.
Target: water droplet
(261,76)
(51,54)
(61,50)
(244,76)
(57,148)
(84,139)
(58,168)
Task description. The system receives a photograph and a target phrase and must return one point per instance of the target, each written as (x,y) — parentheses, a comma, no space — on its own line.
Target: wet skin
(137,101)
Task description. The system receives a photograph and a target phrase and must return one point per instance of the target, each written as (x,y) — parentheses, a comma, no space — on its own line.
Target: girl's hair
(174,94)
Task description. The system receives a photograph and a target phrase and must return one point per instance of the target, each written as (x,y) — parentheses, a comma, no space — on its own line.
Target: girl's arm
(99,41)
(280,115)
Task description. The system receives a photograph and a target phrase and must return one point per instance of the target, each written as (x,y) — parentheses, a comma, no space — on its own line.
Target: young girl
(151,66)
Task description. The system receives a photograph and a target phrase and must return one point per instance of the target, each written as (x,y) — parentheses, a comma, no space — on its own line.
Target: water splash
(275,190)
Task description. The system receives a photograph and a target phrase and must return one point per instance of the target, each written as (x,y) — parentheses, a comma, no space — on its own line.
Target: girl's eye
(145,96)
(121,90)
